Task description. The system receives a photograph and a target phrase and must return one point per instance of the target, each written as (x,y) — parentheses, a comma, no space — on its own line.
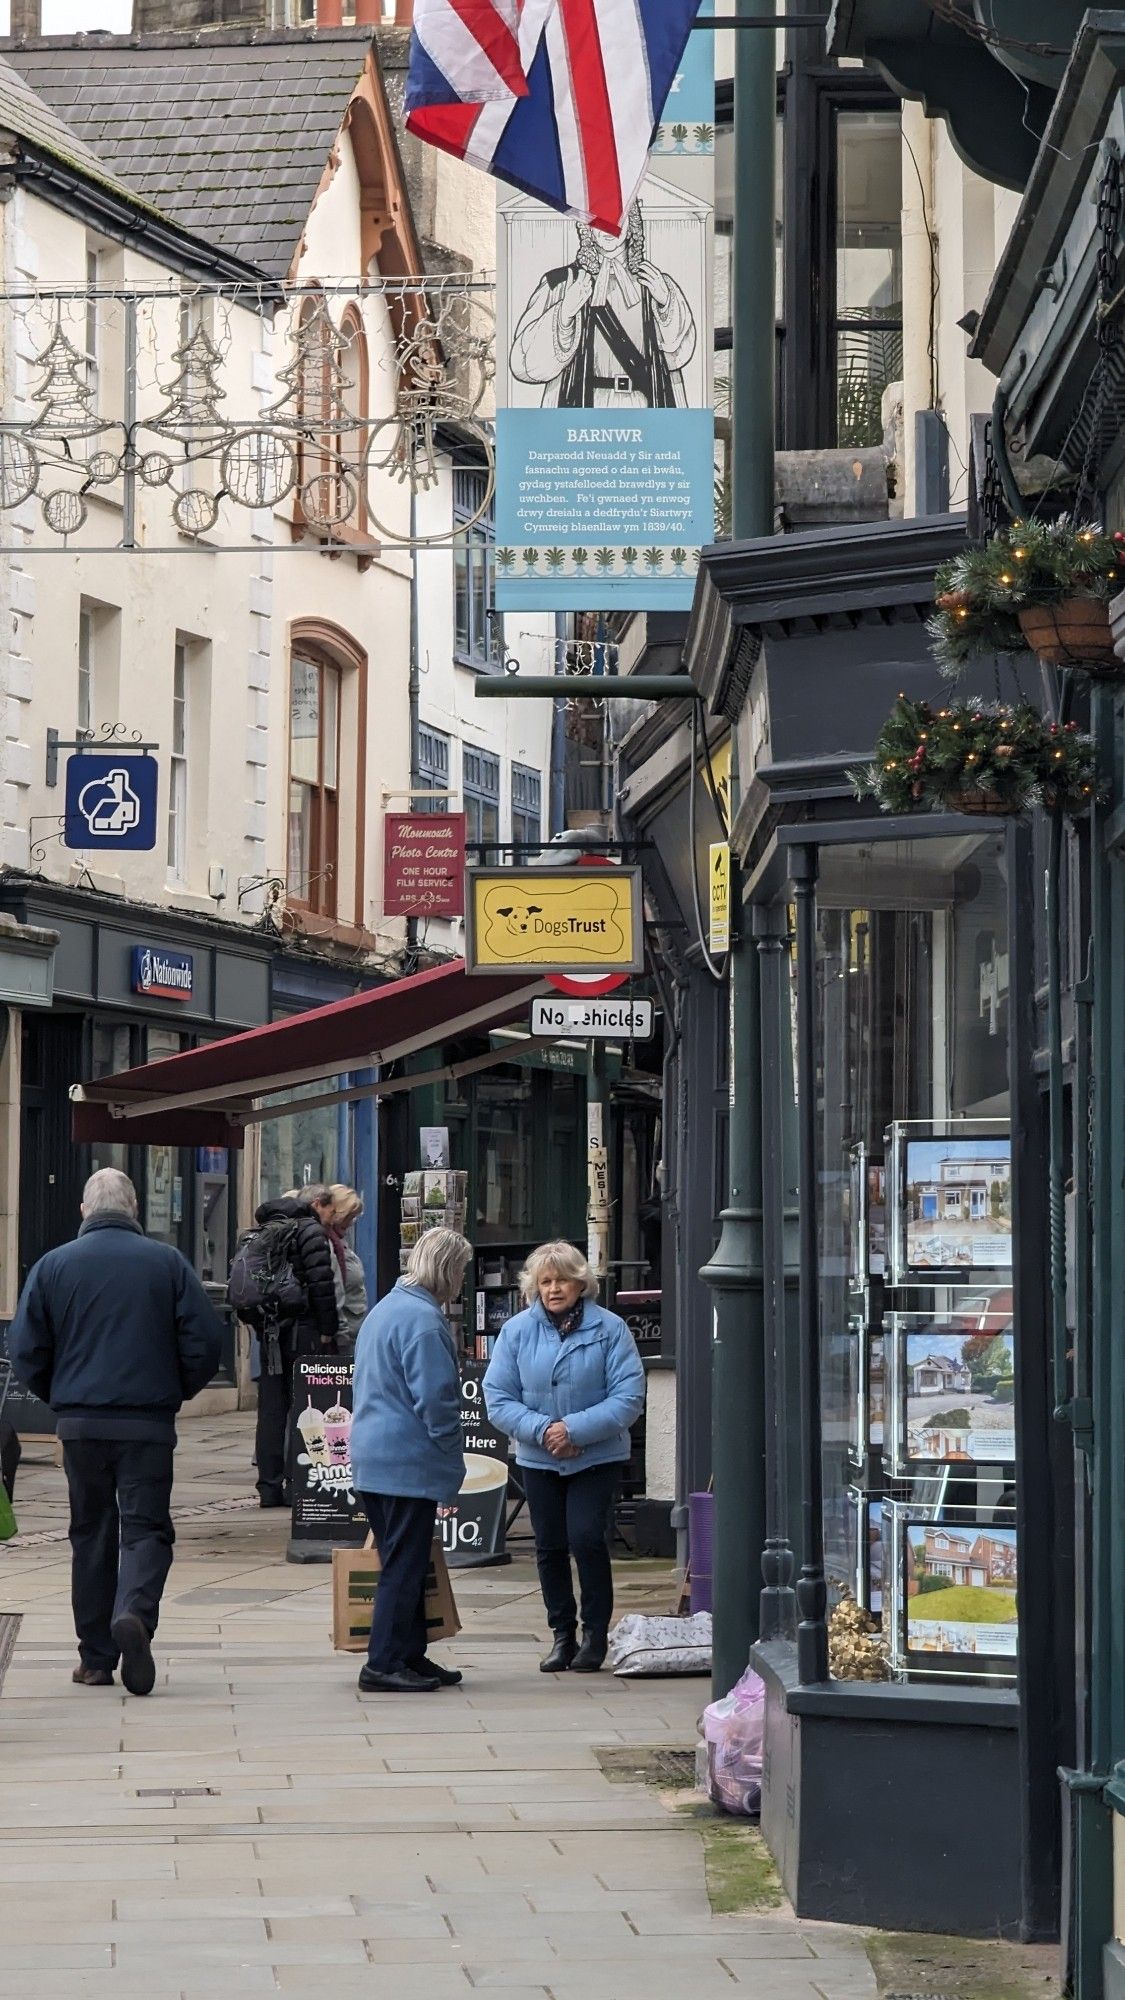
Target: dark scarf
(568,1321)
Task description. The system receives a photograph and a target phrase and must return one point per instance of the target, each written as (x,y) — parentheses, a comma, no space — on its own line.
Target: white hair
(438,1263)
(109,1190)
(565,1261)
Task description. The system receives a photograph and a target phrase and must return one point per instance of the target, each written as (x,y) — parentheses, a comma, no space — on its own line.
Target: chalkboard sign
(473,1528)
(325,1507)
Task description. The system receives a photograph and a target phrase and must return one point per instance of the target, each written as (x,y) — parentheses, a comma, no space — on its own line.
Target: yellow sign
(554,920)
(719,880)
(721,773)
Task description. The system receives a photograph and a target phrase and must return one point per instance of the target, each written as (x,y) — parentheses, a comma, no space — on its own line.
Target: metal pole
(771,931)
(129,456)
(812,1596)
(735,1271)
(738,1355)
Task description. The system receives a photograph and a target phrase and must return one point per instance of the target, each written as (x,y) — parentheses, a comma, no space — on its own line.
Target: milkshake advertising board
(472,1530)
(605,468)
(325,1506)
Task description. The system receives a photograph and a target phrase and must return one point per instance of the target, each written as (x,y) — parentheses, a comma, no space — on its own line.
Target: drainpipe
(557,808)
(919,366)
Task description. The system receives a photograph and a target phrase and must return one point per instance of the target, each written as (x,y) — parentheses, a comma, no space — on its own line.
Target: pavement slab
(257,1826)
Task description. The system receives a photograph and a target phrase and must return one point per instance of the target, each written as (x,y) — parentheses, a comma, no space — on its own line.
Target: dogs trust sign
(554,920)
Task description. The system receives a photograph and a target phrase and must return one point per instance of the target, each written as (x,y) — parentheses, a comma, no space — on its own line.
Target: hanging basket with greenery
(978,757)
(1044,585)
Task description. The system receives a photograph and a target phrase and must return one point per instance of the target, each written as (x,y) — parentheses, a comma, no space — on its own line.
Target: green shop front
(890,1065)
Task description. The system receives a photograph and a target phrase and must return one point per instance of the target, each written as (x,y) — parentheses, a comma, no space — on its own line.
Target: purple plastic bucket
(701,1531)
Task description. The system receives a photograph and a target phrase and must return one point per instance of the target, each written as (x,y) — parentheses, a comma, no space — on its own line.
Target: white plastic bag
(733,1729)
(640,1645)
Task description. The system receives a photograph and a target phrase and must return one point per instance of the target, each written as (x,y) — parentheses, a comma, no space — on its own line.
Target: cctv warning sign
(554,920)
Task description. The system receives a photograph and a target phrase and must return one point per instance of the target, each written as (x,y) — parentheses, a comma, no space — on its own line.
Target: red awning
(206,1096)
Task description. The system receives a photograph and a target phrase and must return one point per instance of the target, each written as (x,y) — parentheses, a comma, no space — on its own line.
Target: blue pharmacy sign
(110,800)
(605,434)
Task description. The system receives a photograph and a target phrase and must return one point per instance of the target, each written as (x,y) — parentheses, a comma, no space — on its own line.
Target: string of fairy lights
(340,404)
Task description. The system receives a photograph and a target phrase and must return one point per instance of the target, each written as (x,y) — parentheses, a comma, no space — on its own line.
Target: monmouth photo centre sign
(424,864)
(554,920)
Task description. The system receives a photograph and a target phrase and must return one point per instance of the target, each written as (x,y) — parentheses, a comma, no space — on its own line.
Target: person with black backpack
(282,1284)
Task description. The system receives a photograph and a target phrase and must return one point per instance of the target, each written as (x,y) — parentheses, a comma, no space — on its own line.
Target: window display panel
(955,1591)
(911,1009)
(952,1390)
(952,1196)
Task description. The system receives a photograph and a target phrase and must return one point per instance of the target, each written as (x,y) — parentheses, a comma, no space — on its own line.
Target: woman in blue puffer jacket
(566,1382)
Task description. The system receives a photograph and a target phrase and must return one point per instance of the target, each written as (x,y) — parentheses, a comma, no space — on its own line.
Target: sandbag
(733,1730)
(639,1645)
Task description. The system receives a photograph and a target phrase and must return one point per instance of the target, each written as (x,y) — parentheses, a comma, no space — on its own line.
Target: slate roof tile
(161,111)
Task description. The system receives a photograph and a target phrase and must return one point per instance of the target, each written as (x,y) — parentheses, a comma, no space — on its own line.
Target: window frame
(178,754)
(320,894)
(527,841)
(87,671)
(479,797)
(431,770)
(481,650)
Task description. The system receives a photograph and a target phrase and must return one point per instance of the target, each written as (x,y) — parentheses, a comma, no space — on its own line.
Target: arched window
(327,737)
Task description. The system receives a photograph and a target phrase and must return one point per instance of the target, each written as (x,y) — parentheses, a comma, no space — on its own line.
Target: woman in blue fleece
(407,1454)
(566,1382)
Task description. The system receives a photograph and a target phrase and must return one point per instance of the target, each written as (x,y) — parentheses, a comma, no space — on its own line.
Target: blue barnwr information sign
(110,800)
(601,507)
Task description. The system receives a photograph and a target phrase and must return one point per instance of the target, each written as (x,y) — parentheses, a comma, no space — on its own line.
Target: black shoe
(272,1497)
(561,1654)
(446,1677)
(403,1681)
(138,1668)
(591,1653)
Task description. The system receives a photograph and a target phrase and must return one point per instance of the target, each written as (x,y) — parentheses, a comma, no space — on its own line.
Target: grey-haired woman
(406,1452)
(566,1382)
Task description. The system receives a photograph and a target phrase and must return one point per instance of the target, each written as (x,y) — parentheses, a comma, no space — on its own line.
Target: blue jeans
(404,1533)
(570,1514)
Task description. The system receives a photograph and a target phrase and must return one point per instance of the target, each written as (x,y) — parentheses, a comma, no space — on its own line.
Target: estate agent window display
(918,1344)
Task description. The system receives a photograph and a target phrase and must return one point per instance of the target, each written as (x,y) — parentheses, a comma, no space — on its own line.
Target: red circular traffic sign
(586,985)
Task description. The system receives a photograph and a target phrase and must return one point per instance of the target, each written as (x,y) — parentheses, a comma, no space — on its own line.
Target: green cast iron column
(735,1271)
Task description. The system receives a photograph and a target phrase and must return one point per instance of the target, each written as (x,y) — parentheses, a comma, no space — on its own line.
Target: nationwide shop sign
(605,468)
(325,1506)
(554,920)
(473,1529)
(424,864)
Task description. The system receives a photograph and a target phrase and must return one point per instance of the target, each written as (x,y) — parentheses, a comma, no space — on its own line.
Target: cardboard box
(355,1579)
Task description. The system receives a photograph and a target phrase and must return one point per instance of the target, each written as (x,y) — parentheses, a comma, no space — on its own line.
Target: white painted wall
(146,599)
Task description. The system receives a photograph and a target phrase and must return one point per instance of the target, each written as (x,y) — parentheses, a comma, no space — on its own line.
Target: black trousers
(404,1532)
(274,1428)
(121,1535)
(570,1516)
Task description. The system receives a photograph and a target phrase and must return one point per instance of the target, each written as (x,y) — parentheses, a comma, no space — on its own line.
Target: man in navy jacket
(115,1331)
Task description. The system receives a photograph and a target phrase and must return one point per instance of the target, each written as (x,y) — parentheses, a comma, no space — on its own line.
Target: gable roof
(228,134)
(30,117)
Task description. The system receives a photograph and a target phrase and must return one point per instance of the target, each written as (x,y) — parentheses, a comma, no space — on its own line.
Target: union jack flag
(559,97)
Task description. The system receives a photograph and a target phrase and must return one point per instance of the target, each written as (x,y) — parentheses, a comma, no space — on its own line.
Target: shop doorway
(51,1166)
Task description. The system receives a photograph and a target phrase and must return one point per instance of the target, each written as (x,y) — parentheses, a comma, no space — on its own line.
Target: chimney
(404,13)
(368,13)
(27,19)
(329,13)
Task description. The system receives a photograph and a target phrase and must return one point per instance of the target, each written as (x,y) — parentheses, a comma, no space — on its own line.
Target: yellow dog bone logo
(566,921)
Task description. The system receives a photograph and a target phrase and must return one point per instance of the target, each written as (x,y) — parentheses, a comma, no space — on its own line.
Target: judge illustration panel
(611,322)
(608,331)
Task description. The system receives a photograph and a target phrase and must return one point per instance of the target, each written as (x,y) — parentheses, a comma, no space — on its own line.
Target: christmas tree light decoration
(66,392)
(192,411)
